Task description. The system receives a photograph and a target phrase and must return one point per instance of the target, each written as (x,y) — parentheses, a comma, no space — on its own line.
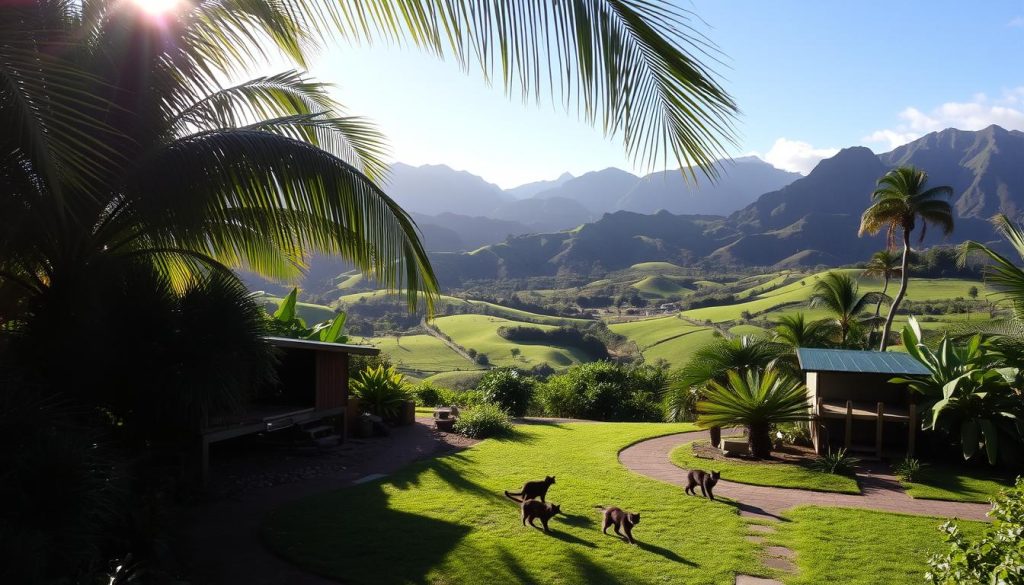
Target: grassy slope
(422,353)
(308,312)
(507,312)
(457,380)
(656,267)
(861,547)
(676,351)
(777,475)
(667,338)
(480,332)
(939,482)
(446,521)
(659,286)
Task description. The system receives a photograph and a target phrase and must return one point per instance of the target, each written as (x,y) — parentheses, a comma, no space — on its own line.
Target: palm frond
(248,189)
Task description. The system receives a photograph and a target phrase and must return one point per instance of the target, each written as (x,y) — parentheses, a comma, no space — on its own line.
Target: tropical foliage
(796,331)
(603,391)
(286,322)
(507,388)
(836,463)
(884,264)
(968,397)
(900,201)
(996,557)
(755,400)
(483,421)
(839,294)
(381,391)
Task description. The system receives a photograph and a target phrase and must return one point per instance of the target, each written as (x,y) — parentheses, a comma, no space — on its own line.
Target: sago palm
(714,361)
(122,138)
(901,200)
(839,294)
(756,400)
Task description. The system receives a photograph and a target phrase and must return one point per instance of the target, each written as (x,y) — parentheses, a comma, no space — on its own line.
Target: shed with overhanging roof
(855,404)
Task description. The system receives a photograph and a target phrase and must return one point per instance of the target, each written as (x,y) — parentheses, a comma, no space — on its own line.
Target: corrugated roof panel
(866,362)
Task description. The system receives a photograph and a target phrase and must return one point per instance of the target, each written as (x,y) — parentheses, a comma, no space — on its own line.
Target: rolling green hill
(480,332)
(422,355)
(660,287)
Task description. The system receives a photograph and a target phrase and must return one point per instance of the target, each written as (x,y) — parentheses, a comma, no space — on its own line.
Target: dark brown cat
(705,480)
(532,489)
(532,510)
(620,519)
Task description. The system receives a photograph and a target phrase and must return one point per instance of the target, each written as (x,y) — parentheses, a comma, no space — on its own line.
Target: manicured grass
(445,520)
(960,484)
(750,331)
(785,475)
(861,547)
(422,353)
(480,332)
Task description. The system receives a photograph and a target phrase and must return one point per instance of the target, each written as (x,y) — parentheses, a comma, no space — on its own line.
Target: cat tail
(512,496)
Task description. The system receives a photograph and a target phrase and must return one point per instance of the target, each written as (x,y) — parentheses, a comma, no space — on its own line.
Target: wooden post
(878,429)
(849,425)
(816,423)
(913,430)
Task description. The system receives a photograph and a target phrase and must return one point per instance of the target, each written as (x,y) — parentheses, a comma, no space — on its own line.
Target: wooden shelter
(310,397)
(854,404)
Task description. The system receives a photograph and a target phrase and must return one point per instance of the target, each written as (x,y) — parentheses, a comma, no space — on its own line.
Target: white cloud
(977,113)
(796,156)
(1016,22)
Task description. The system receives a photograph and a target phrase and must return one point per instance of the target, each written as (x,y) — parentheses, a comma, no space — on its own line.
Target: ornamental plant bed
(792,454)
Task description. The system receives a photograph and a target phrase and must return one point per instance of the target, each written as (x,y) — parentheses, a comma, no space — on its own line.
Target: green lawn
(424,354)
(668,338)
(480,332)
(860,547)
(458,380)
(776,474)
(445,520)
(956,483)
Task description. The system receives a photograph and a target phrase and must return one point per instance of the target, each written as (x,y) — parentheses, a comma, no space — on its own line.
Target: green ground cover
(480,332)
(860,547)
(776,474)
(521,315)
(424,354)
(458,380)
(659,286)
(957,483)
(667,338)
(445,520)
(677,350)
(750,331)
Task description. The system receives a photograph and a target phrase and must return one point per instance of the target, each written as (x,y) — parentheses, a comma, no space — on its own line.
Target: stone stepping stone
(749,580)
(780,564)
(755,539)
(762,528)
(779,551)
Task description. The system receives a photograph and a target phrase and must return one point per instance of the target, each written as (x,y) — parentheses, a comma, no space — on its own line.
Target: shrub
(508,389)
(430,394)
(468,398)
(836,463)
(908,469)
(485,420)
(997,557)
(679,404)
(381,390)
(794,433)
(603,391)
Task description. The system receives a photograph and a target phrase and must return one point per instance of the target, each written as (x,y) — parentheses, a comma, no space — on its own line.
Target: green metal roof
(863,362)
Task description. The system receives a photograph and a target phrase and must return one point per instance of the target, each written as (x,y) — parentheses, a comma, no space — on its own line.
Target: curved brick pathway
(879,489)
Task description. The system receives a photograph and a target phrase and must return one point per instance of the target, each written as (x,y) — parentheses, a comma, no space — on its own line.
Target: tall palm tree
(755,400)
(714,361)
(796,331)
(839,293)
(884,264)
(125,141)
(901,199)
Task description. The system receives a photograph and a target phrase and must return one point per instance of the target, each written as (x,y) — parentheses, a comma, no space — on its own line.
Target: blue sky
(809,77)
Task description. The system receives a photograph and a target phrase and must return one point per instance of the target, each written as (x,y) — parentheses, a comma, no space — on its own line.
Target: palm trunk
(716,436)
(885,287)
(904,276)
(759,440)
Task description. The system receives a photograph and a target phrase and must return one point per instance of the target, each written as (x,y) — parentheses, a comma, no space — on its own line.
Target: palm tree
(755,400)
(885,265)
(795,331)
(126,142)
(714,361)
(840,294)
(901,199)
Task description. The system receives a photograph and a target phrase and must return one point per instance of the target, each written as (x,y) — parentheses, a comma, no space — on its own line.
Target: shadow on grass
(664,552)
(350,534)
(751,509)
(516,568)
(577,520)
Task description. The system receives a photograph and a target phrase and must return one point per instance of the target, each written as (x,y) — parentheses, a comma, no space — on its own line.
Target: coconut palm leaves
(1005,276)
(884,264)
(755,400)
(796,331)
(900,201)
(715,360)
(839,294)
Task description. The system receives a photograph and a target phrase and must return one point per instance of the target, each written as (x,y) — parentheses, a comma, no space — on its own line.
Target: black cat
(705,480)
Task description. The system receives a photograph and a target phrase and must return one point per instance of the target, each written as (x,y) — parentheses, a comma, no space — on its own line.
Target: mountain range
(810,221)
(442,199)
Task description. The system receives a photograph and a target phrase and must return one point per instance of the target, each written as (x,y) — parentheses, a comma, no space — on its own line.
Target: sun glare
(157,7)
